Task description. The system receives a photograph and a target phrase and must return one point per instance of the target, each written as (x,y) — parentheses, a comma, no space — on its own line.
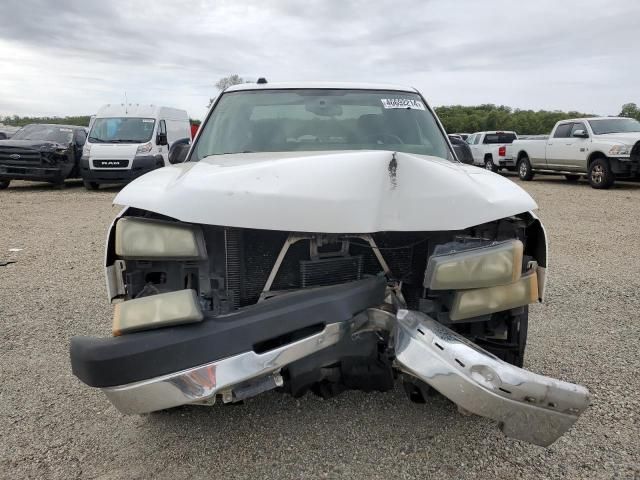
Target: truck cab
(127,141)
(489,149)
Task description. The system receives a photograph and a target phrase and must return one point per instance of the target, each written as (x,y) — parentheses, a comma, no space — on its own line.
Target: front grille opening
(281,340)
(330,271)
(157,278)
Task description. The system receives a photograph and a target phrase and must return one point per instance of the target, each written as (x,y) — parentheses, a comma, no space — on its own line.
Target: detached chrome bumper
(529,407)
(201,384)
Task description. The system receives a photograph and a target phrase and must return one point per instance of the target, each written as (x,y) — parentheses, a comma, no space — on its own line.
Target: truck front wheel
(600,174)
(524,169)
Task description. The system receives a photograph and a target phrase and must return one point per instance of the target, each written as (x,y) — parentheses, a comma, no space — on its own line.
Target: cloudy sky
(68,57)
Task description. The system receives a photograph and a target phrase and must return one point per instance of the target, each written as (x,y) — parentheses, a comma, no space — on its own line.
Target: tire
(91,185)
(488,165)
(572,178)
(600,174)
(525,172)
(4,184)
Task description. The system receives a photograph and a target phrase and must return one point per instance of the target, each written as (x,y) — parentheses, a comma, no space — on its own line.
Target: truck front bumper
(35,173)
(139,166)
(529,407)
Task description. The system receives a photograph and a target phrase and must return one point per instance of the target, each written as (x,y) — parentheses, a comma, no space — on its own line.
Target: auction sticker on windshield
(402,103)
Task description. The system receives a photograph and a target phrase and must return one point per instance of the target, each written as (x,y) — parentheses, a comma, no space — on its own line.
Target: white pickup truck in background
(602,148)
(489,149)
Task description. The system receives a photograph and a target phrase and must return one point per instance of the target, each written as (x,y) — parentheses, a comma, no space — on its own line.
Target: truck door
(162,134)
(577,148)
(557,144)
(476,149)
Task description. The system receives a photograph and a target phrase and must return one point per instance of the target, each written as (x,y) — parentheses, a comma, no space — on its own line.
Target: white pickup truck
(489,149)
(602,148)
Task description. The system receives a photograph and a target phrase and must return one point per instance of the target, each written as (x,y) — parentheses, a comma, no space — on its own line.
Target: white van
(129,140)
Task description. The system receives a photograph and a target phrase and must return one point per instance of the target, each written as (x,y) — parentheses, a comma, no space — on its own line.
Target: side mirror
(178,151)
(161,139)
(580,134)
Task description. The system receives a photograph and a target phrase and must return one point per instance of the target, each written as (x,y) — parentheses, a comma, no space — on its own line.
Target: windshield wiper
(96,139)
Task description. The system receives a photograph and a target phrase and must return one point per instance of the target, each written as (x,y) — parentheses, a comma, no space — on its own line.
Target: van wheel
(572,178)
(600,174)
(4,184)
(90,185)
(525,171)
(488,164)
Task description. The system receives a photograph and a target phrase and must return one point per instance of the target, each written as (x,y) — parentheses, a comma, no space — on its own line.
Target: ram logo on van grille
(110,163)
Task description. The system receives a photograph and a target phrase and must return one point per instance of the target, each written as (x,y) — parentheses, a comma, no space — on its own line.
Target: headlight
(86,149)
(482,301)
(619,150)
(155,311)
(144,148)
(498,264)
(140,238)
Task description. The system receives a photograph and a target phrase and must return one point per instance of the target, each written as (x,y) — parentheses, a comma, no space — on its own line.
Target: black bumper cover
(140,165)
(36,173)
(106,362)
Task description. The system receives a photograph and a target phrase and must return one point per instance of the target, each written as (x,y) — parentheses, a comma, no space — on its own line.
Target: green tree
(630,110)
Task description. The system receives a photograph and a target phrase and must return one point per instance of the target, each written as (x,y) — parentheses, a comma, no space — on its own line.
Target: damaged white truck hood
(331,192)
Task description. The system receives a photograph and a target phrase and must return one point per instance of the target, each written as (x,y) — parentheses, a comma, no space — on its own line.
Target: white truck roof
(140,111)
(493,132)
(586,118)
(320,85)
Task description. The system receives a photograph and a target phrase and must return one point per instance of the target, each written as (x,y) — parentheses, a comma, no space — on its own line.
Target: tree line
(458,118)
(455,118)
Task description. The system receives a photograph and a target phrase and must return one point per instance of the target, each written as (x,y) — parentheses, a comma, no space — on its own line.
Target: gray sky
(68,57)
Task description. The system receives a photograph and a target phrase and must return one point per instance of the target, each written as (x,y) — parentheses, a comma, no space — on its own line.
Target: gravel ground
(52,426)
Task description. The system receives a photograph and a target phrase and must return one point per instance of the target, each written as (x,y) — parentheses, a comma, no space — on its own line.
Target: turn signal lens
(498,264)
(155,311)
(481,301)
(141,238)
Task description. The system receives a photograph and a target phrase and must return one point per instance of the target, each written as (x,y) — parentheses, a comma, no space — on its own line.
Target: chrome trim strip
(199,384)
(528,406)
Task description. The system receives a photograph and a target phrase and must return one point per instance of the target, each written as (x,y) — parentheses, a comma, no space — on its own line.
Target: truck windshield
(47,133)
(499,137)
(320,119)
(121,130)
(614,125)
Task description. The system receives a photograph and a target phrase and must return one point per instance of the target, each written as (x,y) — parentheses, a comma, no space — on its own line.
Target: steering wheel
(381,136)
